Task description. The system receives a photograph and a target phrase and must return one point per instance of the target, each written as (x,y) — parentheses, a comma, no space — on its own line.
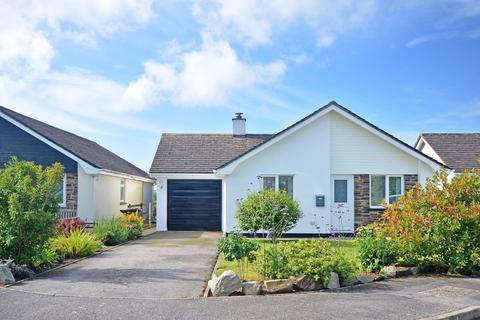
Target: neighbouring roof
(87,150)
(200,153)
(459,151)
(204,153)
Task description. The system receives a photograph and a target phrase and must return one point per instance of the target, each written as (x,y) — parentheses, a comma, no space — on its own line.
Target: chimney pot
(239,125)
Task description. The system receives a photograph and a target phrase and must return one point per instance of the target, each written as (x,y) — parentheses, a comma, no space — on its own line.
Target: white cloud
(201,77)
(30,28)
(255,22)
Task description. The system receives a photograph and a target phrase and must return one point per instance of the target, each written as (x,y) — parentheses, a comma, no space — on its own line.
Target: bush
(316,258)
(110,231)
(134,224)
(47,257)
(439,226)
(271,211)
(28,207)
(80,243)
(375,250)
(68,225)
(236,247)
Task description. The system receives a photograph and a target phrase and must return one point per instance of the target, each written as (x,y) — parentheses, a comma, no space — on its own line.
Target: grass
(349,247)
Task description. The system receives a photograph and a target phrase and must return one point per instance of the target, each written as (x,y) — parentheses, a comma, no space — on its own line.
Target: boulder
(349,282)
(334,281)
(306,283)
(21,272)
(403,271)
(278,286)
(414,270)
(251,288)
(224,285)
(389,271)
(366,277)
(6,276)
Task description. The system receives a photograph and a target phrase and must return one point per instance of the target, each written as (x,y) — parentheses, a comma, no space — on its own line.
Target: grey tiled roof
(200,153)
(459,151)
(85,149)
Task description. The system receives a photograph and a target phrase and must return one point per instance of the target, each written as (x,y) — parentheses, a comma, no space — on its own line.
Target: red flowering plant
(437,226)
(68,225)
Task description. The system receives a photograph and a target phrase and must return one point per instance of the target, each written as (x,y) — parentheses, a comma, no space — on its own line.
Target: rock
(224,285)
(251,288)
(6,276)
(334,281)
(349,282)
(403,271)
(389,271)
(278,286)
(366,277)
(414,270)
(306,283)
(21,272)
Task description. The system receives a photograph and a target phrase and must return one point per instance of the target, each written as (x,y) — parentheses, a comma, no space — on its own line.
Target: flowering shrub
(236,247)
(133,222)
(438,226)
(111,231)
(271,211)
(316,258)
(68,225)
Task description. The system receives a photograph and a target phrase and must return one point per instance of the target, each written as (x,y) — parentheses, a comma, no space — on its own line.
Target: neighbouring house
(340,167)
(97,182)
(458,151)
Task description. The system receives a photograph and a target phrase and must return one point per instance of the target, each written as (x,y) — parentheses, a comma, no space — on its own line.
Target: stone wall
(72,191)
(363,214)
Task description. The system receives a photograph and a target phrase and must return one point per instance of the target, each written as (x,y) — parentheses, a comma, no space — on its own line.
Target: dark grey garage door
(194,205)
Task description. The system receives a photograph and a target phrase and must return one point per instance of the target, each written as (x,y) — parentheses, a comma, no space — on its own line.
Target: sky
(121,72)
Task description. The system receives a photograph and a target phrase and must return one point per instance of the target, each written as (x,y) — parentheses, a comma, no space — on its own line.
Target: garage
(194,205)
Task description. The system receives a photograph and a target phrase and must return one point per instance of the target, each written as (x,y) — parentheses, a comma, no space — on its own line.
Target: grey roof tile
(459,151)
(85,149)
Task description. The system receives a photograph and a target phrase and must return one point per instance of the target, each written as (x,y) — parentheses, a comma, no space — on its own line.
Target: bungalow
(97,182)
(338,166)
(459,151)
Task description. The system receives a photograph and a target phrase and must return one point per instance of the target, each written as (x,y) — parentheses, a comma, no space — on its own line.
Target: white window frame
(63,204)
(277,180)
(387,188)
(123,184)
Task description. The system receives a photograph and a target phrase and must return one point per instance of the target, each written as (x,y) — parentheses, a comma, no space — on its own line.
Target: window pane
(269,183)
(286,183)
(60,191)
(393,199)
(122,190)
(377,189)
(340,192)
(394,186)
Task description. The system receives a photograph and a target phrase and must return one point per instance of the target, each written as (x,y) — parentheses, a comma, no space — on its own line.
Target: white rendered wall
(85,200)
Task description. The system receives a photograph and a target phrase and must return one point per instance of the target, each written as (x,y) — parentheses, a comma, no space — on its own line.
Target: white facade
(315,151)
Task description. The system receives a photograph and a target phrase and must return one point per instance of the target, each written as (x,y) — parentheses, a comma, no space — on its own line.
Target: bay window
(273,183)
(385,188)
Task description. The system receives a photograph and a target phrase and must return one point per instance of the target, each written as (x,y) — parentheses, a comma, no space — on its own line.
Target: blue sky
(122,72)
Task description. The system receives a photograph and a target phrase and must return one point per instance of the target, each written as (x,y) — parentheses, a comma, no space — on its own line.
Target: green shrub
(270,211)
(316,258)
(80,243)
(375,250)
(236,247)
(28,207)
(437,227)
(47,257)
(111,231)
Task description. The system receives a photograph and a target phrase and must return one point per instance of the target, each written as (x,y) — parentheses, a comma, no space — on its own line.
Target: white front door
(342,211)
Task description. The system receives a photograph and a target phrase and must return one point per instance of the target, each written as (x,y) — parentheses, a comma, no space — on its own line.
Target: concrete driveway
(161,265)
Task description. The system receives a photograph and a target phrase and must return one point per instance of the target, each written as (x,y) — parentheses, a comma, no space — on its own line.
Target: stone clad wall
(72,191)
(363,214)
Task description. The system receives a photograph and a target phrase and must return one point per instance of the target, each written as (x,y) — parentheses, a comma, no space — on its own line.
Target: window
(122,191)
(385,188)
(284,183)
(340,191)
(62,192)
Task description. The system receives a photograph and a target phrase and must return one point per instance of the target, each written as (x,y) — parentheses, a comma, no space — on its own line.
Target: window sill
(378,208)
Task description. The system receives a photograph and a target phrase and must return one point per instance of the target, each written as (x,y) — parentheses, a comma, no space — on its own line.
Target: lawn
(347,246)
